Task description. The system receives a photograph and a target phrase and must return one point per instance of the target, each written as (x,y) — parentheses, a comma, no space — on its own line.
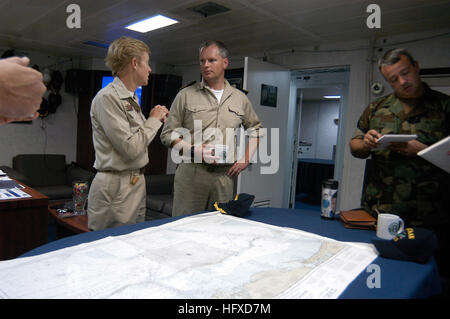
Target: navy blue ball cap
(413,244)
(239,206)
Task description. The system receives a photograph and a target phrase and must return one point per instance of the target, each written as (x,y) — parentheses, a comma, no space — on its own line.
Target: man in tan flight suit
(121,136)
(206,114)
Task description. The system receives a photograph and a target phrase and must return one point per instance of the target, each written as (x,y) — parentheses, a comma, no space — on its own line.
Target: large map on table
(202,256)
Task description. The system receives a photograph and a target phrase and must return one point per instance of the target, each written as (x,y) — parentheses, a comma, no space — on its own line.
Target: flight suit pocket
(198,113)
(430,130)
(130,117)
(383,126)
(234,116)
(384,122)
(133,117)
(429,125)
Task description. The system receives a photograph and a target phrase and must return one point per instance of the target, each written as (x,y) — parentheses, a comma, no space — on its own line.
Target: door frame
(343,84)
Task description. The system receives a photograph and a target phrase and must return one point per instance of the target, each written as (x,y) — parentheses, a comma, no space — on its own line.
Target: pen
(378,213)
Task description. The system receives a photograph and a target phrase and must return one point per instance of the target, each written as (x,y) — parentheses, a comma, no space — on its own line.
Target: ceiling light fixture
(150,24)
(332,96)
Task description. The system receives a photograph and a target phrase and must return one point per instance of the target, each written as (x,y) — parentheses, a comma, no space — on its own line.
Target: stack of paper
(438,154)
(384,141)
(6,183)
(13,193)
(10,189)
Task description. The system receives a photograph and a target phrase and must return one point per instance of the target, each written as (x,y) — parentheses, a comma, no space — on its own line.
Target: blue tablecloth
(399,279)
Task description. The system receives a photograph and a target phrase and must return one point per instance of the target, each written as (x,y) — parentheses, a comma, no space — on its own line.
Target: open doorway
(318,137)
(319,142)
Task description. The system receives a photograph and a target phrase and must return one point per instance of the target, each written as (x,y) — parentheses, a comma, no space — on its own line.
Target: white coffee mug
(389,226)
(221,151)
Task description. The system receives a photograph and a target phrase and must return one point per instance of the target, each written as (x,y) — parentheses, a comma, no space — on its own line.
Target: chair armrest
(15,174)
(159,184)
(75,173)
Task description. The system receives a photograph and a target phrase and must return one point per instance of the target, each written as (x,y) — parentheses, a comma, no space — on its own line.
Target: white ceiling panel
(251,27)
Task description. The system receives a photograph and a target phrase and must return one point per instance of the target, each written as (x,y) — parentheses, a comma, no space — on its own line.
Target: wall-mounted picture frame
(269,95)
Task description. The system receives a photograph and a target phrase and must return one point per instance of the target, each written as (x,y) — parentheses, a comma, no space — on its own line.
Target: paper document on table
(438,154)
(91,270)
(208,255)
(9,183)
(13,193)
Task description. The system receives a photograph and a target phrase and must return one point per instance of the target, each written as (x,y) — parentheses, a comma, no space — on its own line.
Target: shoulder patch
(187,85)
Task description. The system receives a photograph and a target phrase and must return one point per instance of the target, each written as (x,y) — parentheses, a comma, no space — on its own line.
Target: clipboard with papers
(388,138)
(384,140)
(437,154)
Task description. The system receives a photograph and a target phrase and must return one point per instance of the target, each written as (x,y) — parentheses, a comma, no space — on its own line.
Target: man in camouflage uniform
(399,181)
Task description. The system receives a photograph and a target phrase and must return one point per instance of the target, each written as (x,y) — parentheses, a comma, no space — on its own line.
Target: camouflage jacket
(412,188)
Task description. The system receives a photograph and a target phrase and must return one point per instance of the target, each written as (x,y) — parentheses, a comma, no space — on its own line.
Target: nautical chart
(202,256)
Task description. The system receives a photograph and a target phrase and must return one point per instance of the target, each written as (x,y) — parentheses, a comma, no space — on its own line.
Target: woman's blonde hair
(122,50)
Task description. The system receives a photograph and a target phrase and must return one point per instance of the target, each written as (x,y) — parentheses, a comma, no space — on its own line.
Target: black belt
(214,168)
(139,171)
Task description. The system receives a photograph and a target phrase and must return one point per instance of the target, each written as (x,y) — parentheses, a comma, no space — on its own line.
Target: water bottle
(329,197)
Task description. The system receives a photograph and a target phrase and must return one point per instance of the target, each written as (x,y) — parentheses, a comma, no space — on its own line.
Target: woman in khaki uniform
(121,136)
